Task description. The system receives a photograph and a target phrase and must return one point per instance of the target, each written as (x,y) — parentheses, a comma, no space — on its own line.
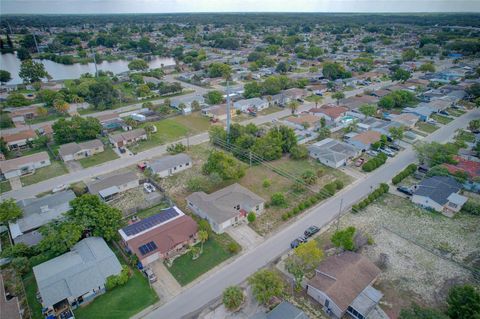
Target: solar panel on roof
(151,221)
(148,247)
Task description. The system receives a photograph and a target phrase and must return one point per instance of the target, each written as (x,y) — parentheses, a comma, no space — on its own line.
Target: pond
(10,62)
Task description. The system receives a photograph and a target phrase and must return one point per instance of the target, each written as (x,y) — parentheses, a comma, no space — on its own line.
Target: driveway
(73,166)
(15,183)
(166,286)
(245,236)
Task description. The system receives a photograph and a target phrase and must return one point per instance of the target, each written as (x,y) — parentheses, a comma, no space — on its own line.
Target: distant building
(283,310)
(365,139)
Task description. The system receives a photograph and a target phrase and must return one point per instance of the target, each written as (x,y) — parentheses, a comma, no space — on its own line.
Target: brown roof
(15,163)
(24,111)
(367,137)
(332,111)
(128,135)
(22,135)
(166,236)
(304,118)
(8,309)
(343,277)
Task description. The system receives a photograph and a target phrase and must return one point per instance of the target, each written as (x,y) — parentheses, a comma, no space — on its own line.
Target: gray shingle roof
(438,188)
(72,148)
(77,272)
(111,180)
(168,162)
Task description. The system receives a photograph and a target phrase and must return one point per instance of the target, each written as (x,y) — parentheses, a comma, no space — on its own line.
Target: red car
(359,162)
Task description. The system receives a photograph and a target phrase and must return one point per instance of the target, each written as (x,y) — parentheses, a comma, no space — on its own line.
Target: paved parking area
(245,236)
(166,286)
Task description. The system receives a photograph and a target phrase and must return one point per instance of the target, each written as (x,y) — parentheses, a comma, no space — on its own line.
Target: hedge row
(328,190)
(382,189)
(375,162)
(409,170)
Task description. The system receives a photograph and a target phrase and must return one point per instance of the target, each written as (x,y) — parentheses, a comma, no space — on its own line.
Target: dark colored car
(312,230)
(295,243)
(395,147)
(405,190)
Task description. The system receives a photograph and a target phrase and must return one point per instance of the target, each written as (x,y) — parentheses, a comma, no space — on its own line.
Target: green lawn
(270,110)
(44,173)
(5,187)
(441,119)
(152,210)
(425,127)
(465,136)
(49,117)
(455,112)
(105,156)
(31,291)
(196,122)
(215,251)
(121,302)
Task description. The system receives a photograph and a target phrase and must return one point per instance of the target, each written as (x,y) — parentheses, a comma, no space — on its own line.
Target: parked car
(122,150)
(372,153)
(150,275)
(359,162)
(149,188)
(431,121)
(295,243)
(303,239)
(405,190)
(387,152)
(312,230)
(59,188)
(395,147)
(444,113)
(142,165)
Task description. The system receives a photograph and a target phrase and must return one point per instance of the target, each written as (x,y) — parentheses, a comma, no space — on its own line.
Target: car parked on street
(372,153)
(295,243)
(387,152)
(312,230)
(405,190)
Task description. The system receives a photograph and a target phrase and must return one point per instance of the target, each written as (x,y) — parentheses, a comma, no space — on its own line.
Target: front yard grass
(465,136)
(55,169)
(215,251)
(425,127)
(107,155)
(152,210)
(195,121)
(441,119)
(5,186)
(455,112)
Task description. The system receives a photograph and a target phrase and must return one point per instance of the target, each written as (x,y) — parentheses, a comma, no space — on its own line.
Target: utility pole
(35,40)
(339,213)
(94,62)
(228,112)
(250,152)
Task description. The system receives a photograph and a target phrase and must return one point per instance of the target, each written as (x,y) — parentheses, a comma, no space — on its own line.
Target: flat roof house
(170,164)
(108,186)
(19,140)
(440,193)
(342,285)
(36,213)
(226,207)
(75,151)
(24,165)
(125,138)
(333,153)
(78,276)
(160,236)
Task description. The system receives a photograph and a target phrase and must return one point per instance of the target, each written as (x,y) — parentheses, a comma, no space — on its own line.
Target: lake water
(10,62)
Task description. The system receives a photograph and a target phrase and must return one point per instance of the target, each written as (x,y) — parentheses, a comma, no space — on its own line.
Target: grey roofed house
(72,148)
(332,153)
(283,310)
(438,188)
(71,275)
(38,212)
(218,205)
(168,162)
(109,182)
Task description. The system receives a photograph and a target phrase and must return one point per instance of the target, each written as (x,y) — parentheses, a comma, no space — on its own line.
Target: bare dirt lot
(427,252)
(135,199)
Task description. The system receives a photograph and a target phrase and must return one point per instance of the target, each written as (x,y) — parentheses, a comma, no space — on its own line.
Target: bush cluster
(375,162)
(382,189)
(410,169)
(328,190)
(118,280)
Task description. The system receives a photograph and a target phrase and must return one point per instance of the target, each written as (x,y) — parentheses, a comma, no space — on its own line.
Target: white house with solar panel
(164,235)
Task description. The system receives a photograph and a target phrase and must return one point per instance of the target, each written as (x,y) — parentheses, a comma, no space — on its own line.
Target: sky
(169,6)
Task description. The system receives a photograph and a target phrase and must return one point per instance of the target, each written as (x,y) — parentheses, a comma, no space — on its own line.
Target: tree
(102,94)
(31,71)
(473,91)
(294,267)
(334,71)
(138,65)
(309,255)
(21,265)
(76,129)
(338,96)
(344,238)
(293,106)
(224,165)
(435,153)
(251,217)
(61,106)
(59,237)
(195,105)
(409,55)
(9,211)
(265,285)
(233,297)
(23,54)
(214,97)
(5,76)
(42,111)
(401,75)
(316,99)
(397,99)
(427,67)
(17,99)
(417,312)
(278,199)
(368,109)
(474,125)
(463,302)
(282,67)
(396,133)
(309,177)
(216,70)
(299,152)
(96,216)
(203,237)
(3,145)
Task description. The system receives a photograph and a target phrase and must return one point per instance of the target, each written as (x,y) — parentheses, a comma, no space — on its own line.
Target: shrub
(296,210)
(233,297)
(278,199)
(176,148)
(266,183)
(301,206)
(375,162)
(233,248)
(344,238)
(21,265)
(111,282)
(204,225)
(379,191)
(339,184)
(410,169)
(471,208)
(285,216)
(251,217)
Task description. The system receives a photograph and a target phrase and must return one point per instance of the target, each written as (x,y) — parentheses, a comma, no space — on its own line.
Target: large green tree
(59,237)
(463,302)
(334,71)
(76,129)
(138,65)
(266,284)
(5,76)
(9,211)
(31,71)
(224,165)
(102,94)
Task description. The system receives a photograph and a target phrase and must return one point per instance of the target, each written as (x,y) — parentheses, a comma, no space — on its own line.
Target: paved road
(85,174)
(234,273)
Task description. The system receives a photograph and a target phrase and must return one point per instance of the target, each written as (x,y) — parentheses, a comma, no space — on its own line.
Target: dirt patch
(135,199)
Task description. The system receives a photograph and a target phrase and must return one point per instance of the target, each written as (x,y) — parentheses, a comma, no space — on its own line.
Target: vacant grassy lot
(215,251)
(56,169)
(168,130)
(441,119)
(270,110)
(99,158)
(455,112)
(412,273)
(425,127)
(195,122)
(5,186)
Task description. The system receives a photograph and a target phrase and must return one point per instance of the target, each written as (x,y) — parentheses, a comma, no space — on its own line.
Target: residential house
(37,212)
(405,119)
(332,113)
(343,285)
(19,140)
(333,153)
(354,102)
(283,310)
(169,165)
(440,193)
(75,151)
(187,102)
(294,94)
(126,138)
(20,114)
(76,277)
(160,236)
(218,112)
(24,165)
(226,207)
(110,185)
(365,139)
(251,105)
(423,111)
(472,168)
(304,121)
(9,308)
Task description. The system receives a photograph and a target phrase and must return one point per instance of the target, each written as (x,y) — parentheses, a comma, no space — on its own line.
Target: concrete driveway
(15,183)
(73,166)
(166,286)
(245,236)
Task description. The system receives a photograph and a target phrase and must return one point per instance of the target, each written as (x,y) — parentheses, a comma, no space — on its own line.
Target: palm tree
(293,105)
(338,96)
(316,99)
(203,237)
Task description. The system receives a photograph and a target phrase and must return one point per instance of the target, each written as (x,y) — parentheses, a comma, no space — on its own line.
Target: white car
(431,121)
(59,188)
(149,188)
(372,153)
